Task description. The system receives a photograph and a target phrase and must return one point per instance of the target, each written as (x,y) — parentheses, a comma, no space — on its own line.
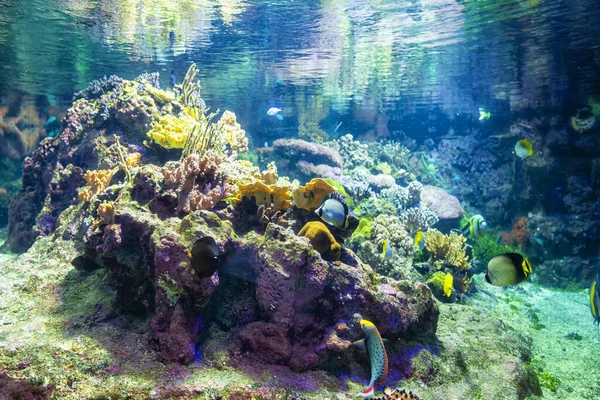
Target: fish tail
(368,392)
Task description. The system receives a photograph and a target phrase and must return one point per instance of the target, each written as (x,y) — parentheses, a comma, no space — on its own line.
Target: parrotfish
(373,344)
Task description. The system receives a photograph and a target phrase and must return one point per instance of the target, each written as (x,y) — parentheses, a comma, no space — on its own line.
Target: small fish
(337,127)
(173,78)
(456,178)
(274,111)
(523,148)
(508,269)
(475,226)
(595,301)
(484,115)
(420,240)
(266,144)
(387,250)
(377,355)
(205,256)
(539,240)
(334,211)
(448,283)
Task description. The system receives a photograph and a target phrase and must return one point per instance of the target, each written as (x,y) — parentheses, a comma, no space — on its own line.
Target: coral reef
(446,250)
(418,218)
(200,183)
(446,207)
(390,228)
(353,152)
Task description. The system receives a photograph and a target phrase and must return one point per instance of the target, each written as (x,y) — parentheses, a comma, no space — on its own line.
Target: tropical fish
(428,167)
(173,78)
(448,282)
(274,111)
(475,226)
(205,256)
(334,211)
(508,269)
(483,115)
(595,300)
(387,250)
(420,240)
(523,148)
(373,344)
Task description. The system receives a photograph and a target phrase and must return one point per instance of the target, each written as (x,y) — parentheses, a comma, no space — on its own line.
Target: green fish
(483,115)
(373,344)
(507,269)
(334,211)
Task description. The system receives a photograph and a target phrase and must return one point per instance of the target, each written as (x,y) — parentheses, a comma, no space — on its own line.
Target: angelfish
(373,344)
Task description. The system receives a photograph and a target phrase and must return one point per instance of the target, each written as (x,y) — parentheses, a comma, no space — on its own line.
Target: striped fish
(377,355)
(507,269)
(595,300)
(334,211)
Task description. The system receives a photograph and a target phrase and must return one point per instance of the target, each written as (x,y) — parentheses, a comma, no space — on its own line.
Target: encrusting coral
(446,250)
(170,131)
(322,240)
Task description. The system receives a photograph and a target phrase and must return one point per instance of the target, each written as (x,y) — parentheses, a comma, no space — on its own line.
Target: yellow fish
(448,281)
(387,250)
(419,240)
(523,148)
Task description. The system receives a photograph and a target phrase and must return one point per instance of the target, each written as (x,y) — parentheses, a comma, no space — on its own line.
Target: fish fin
(360,345)
(385,341)
(368,392)
(279,117)
(346,220)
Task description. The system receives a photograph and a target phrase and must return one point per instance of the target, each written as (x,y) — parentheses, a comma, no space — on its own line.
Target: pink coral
(200,183)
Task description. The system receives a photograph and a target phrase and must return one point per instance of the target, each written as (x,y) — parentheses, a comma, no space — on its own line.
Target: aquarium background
(432,91)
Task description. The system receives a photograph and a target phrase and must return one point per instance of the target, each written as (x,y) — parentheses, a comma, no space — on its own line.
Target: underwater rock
(309,159)
(445,206)
(12,388)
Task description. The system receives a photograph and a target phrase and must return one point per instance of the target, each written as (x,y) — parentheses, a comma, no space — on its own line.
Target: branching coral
(398,195)
(391,152)
(200,183)
(418,218)
(446,250)
(97,182)
(352,151)
(386,227)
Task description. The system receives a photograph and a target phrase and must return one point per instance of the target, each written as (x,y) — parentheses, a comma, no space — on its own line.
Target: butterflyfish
(508,269)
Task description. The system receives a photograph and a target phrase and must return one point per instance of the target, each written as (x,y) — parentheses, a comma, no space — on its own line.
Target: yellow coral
(233,133)
(160,95)
(270,174)
(170,131)
(97,182)
(446,250)
(263,194)
(106,212)
(133,160)
(322,240)
(311,196)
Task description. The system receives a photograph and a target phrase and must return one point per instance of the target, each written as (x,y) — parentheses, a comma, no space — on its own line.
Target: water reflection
(388,57)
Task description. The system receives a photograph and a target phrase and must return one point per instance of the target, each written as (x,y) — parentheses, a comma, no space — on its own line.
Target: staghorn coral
(418,218)
(386,227)
(322,240)
(200,183)
(97,182)
(446,250)
(232,132)
(352,151)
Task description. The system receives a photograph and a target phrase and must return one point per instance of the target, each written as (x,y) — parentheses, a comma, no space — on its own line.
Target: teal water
(433,91)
